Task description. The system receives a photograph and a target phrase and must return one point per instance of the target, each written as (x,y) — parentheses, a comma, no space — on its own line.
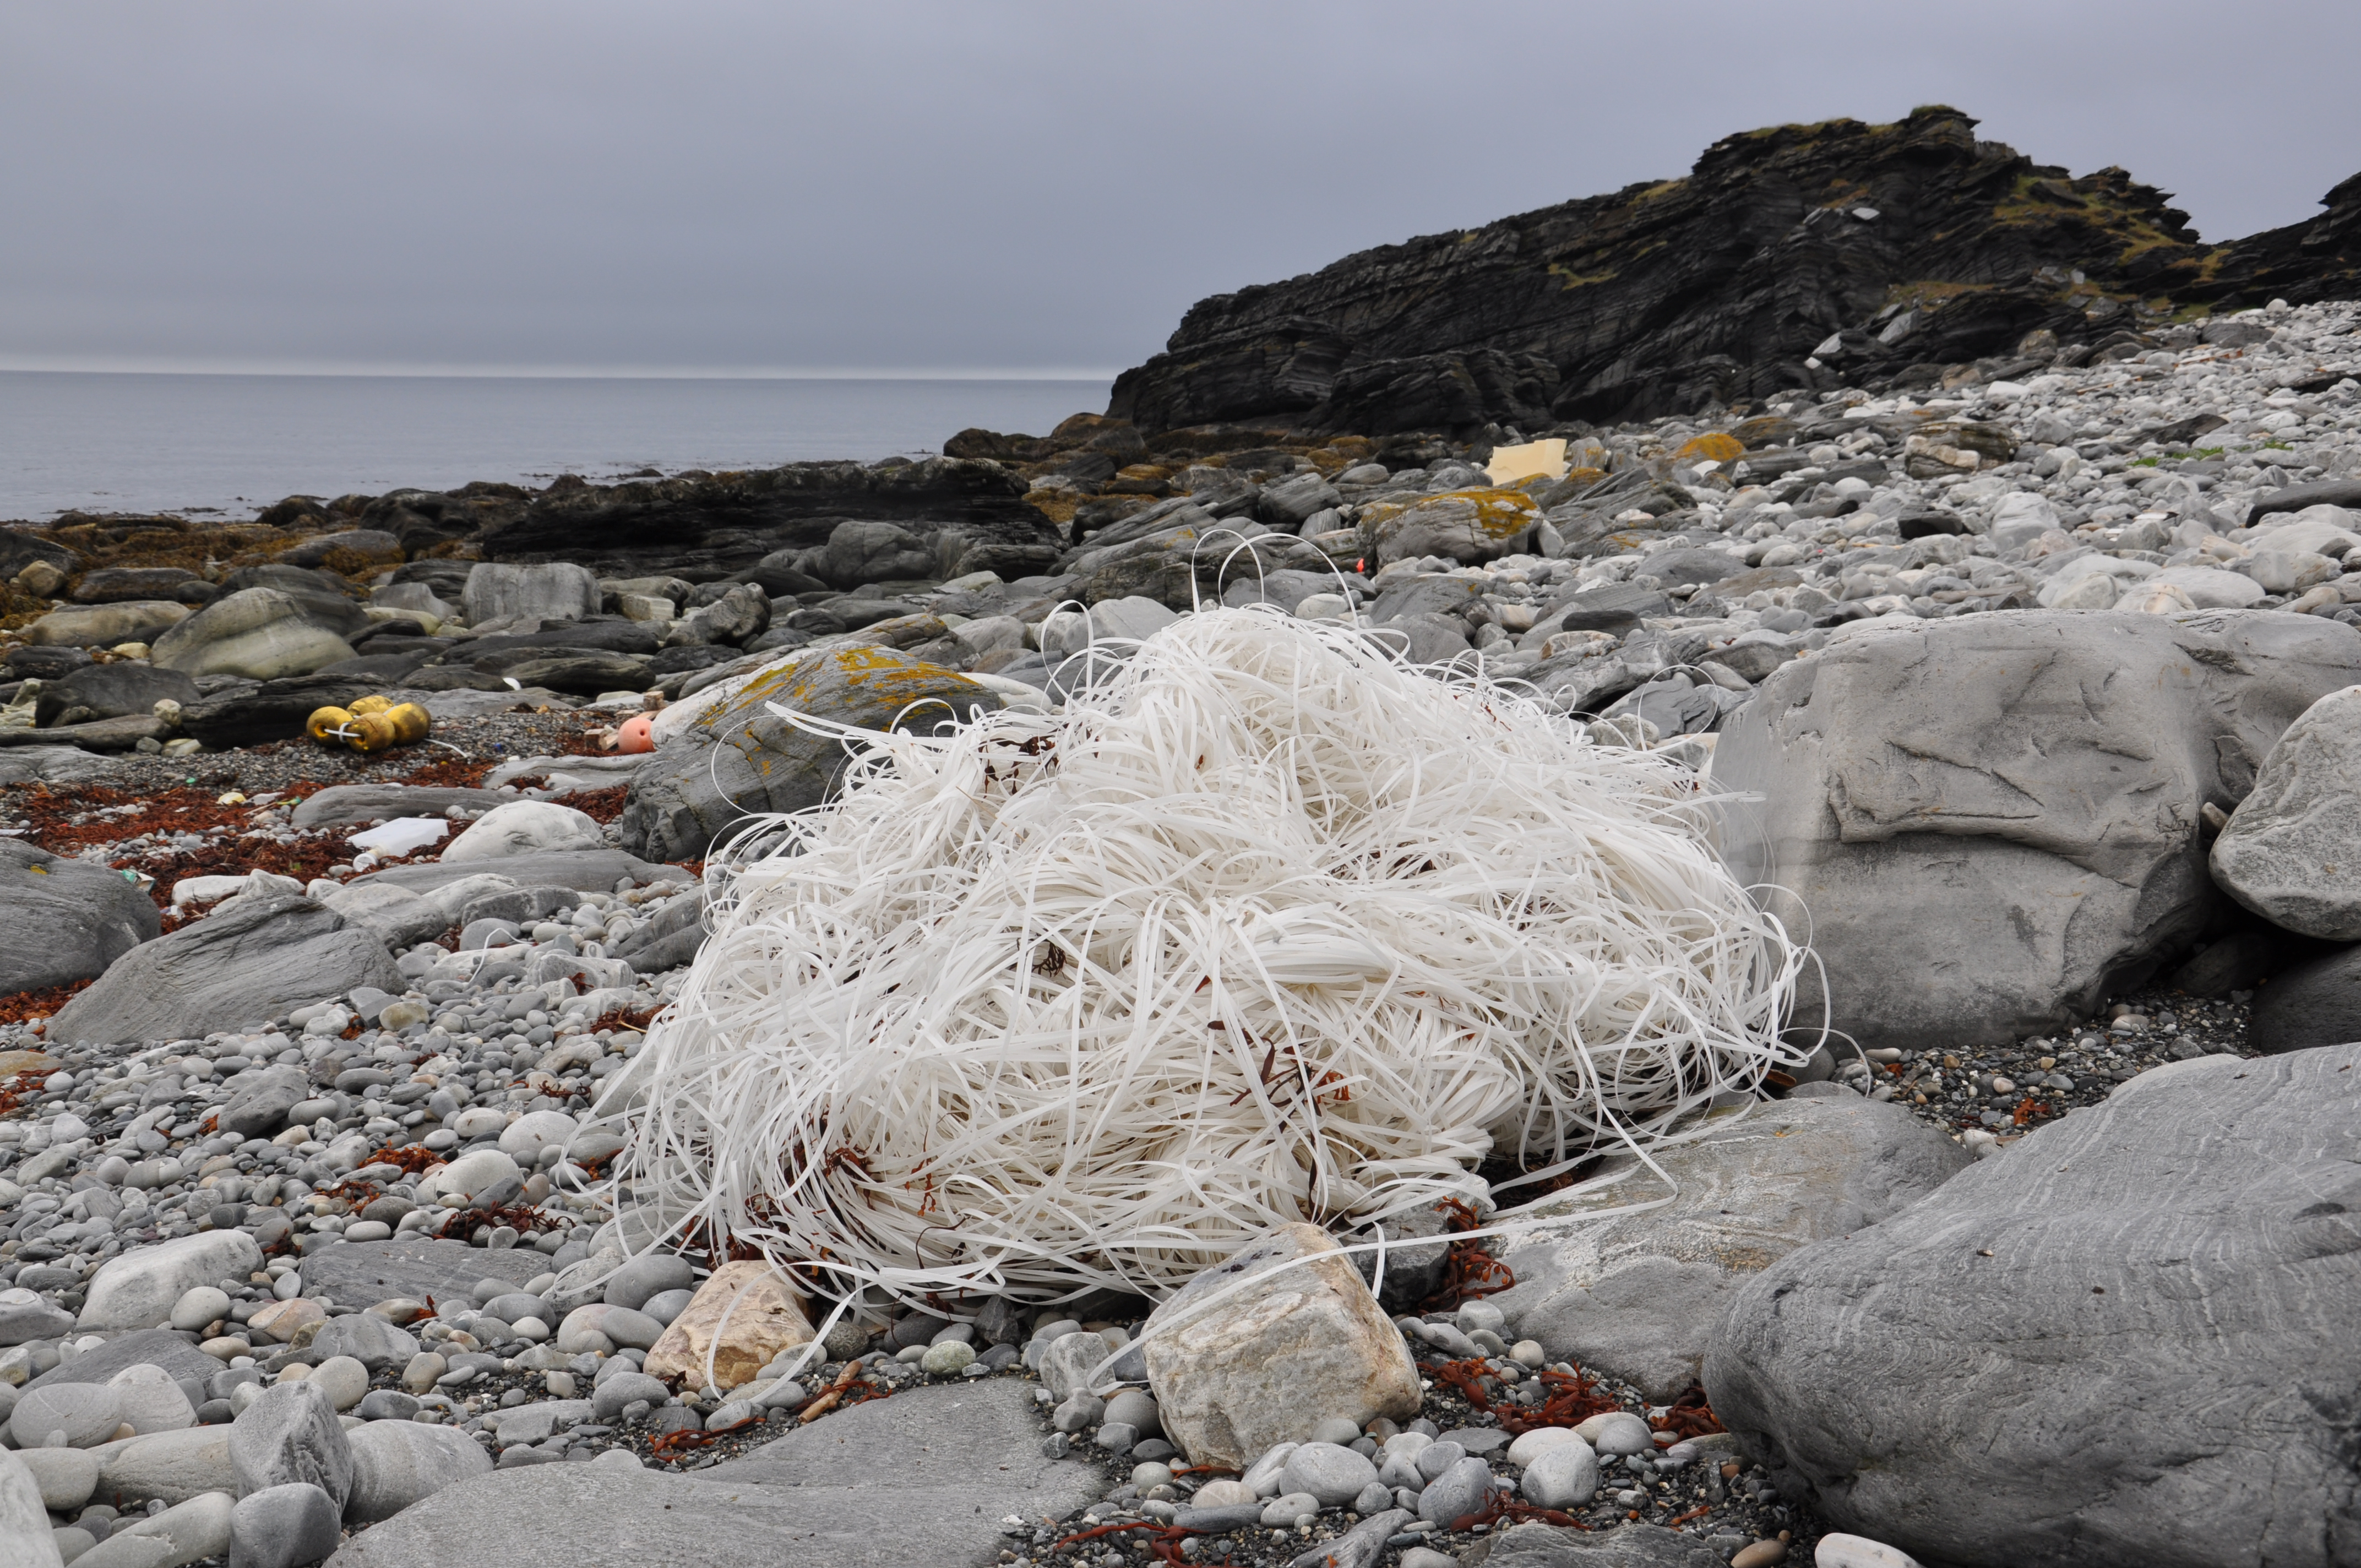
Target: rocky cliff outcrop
(1838,254)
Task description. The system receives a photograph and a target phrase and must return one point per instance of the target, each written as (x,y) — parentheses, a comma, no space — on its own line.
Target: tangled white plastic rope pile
(1269,927)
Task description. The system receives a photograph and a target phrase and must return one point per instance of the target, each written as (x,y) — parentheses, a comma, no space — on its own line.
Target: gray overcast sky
(971,188)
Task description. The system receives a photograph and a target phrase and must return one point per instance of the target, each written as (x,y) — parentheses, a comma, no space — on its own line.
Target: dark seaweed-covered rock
(704,525)
(1878,248)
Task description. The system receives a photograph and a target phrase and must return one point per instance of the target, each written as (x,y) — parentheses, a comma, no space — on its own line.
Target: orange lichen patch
(1714,447)
(1057,505)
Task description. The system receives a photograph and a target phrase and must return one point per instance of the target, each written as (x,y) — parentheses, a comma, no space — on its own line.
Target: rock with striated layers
(63,920)
(728,522)
(1988,824)
(253,960)
(260,633)
(1778,247)
(2129,1339)
(1468,526)
(1636,1296)
(738,757)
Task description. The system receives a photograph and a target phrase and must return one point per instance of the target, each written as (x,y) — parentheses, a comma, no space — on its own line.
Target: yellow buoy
(372,732)
(325,721)
(371,705)
(410,721)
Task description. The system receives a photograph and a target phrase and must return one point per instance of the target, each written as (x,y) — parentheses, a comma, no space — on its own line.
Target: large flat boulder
(1986,825)
(365,803)
(274,710)
(738,757)
(260,633)
(245,963)
(162,1348)
(554,590)
(921,1480)
(63,920)
(105,625)
(2131,1339)
(137,1290)
(361,1274)
(1637,1296)
(114,691)
(584,871)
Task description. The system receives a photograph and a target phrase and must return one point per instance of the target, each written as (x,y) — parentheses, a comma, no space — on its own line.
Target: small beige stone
(282,1320)
(1269,1363)
(757,1315)
(425,1367)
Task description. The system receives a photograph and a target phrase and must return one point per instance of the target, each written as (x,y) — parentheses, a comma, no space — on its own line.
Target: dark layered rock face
(695,524)
(1913,245)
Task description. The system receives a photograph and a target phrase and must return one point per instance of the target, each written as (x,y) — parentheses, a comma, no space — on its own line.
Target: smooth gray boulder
(251,960)
(2127,1340)
(367,1339)
(169,1467)
(2317,1003)
(556,590)
(29,1314)
(186,1532)
(24,1538)
(341,804)
(181,1361)
(396,1462)
(283,1527)
(62,920)
(1984,825)
(738,757)
(86,1414)
(416,1267)
(2292,850)
(260,633)
(650,1274)
(893,1483)
(105,625)
(1637,1296)
(867,550)
(325,597)
(291,1434)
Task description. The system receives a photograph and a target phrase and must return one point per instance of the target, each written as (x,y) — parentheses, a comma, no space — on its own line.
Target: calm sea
(228,445)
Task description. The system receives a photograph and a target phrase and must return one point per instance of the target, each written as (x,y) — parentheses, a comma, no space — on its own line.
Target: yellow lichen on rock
(1714,447)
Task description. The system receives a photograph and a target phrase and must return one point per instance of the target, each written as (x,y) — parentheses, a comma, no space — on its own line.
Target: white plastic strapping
(1268,927)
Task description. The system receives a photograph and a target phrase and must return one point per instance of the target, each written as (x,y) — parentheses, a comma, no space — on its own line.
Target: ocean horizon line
(44,365)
